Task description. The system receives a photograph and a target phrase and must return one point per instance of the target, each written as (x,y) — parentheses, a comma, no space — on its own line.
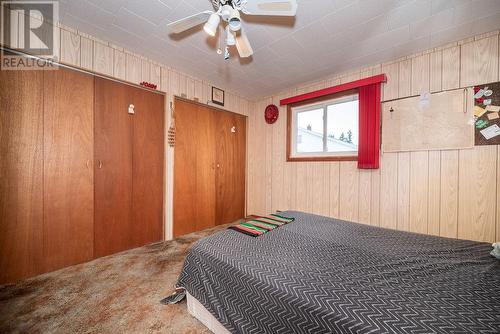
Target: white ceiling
(325,38)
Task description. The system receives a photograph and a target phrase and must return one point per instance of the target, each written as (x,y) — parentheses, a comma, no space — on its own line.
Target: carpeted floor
(115,294)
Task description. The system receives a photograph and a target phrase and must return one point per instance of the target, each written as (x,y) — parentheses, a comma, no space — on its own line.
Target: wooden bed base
(197,310)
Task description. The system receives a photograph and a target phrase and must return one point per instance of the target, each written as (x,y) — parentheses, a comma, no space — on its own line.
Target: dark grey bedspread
(322,275)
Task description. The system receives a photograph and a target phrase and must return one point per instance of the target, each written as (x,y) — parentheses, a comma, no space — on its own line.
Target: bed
(324,275)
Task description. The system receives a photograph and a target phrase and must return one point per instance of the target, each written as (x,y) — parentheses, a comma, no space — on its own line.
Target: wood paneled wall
(448,193)
(79,49)
(84,51)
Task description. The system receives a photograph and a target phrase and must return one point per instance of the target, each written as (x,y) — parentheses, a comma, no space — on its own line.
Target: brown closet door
(68,228)
(231,162)
(21,174)
(194,168)
(112,167)
(148,165)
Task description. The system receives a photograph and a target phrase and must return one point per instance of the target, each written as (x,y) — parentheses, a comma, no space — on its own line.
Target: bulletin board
(487,114)
(437,121)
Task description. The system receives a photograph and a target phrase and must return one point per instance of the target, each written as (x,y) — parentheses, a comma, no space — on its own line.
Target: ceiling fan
(229,11)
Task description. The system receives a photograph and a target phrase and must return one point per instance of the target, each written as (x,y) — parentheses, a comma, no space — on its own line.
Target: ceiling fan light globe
(209,31)
(235,21)
(212,24)
(234,24)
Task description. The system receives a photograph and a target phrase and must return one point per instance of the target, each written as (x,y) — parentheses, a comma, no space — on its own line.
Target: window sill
(331,158)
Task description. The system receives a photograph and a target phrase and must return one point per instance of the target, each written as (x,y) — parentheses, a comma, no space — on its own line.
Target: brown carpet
(117,294)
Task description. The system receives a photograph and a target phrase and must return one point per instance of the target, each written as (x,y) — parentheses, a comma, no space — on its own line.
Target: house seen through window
(326,129)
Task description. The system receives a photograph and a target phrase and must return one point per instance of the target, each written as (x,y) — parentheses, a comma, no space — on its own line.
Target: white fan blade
(270,7)
(189,22)
(243,45)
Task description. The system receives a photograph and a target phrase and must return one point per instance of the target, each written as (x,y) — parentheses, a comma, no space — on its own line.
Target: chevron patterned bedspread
(323,275)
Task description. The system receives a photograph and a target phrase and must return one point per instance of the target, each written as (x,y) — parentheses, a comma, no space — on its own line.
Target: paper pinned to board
(479,94)
(481,124)
(492,108)
(491,131)
(478,111)
(493,115)
(424,100)
(486,112)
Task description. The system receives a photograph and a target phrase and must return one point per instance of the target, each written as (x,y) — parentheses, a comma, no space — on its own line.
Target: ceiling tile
(201,5)
(342,19)
(326,36)
(80,24)
(108,5)
(311,35)
(129,21)
(259,37)
(123,37)
(432,24)
(154,12)
(285,46)
(475,10)
(88,12)
(408,13)
(182,10)
(380,42)
(369,29)
(169,3)
(311,10)
(439,5)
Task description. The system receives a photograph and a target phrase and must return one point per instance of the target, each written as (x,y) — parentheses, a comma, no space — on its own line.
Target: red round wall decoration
(271,114)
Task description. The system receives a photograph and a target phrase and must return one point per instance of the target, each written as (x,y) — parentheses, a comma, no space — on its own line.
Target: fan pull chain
(219,42)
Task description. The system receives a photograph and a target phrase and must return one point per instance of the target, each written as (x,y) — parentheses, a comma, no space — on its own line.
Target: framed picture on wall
(218,96)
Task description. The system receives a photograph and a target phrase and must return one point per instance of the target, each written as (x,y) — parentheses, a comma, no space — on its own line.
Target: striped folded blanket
(261,225)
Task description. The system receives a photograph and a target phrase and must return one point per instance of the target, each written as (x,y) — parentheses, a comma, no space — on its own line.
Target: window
(324,130)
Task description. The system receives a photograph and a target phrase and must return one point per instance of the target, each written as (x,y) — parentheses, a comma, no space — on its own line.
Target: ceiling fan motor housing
(226,12)
(233,3)
(229,11)
(231,16)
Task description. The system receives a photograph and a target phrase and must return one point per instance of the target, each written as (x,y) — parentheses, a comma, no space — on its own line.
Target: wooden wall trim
(81,70)
(334,89)
(216,108)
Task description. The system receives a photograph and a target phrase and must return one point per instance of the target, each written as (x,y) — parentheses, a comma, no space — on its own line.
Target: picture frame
(218,96)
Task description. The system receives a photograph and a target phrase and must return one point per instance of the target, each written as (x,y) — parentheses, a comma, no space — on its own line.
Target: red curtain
(369,127)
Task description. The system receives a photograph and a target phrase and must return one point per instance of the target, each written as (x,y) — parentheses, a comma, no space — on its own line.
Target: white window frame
(315,106)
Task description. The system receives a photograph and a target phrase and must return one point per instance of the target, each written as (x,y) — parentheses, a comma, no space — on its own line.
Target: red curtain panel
(369,127)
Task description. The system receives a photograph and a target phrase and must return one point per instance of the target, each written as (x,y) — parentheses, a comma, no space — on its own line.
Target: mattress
(323,275)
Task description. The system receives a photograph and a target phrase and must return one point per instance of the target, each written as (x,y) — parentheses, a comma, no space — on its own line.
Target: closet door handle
(100,164)
(218,165)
